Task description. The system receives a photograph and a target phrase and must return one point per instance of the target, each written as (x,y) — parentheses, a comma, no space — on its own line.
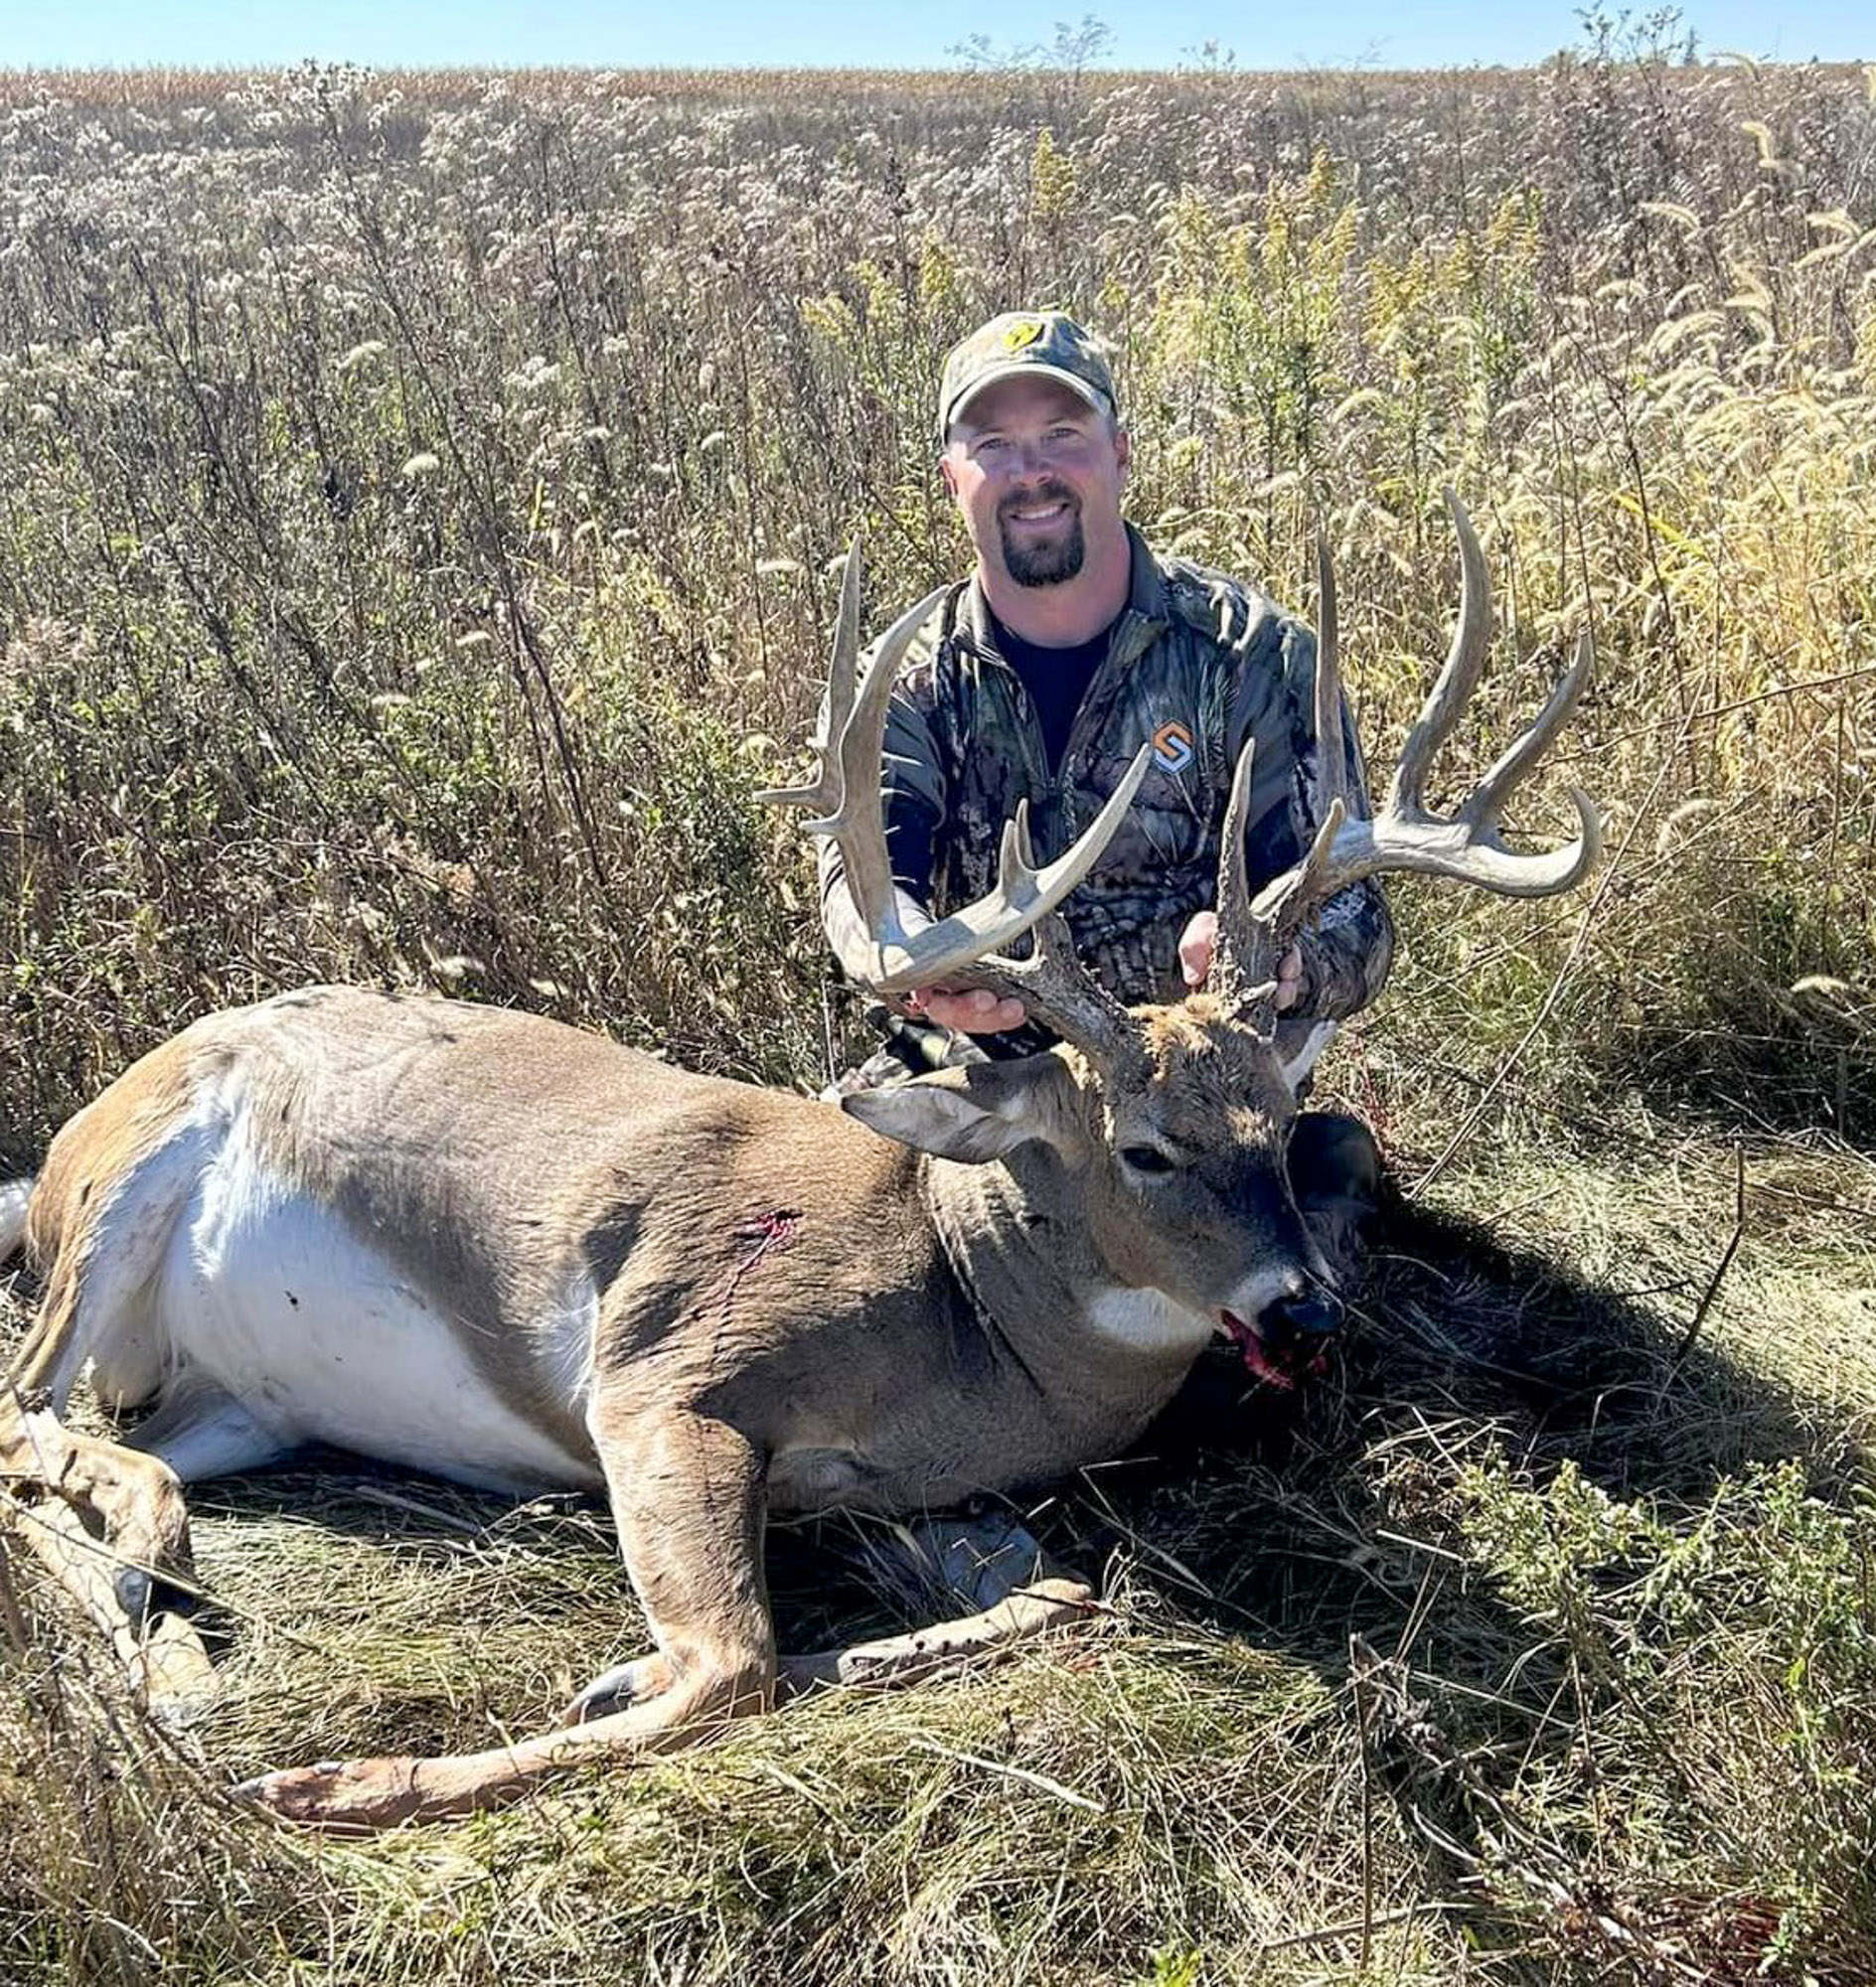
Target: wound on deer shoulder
(772,1229)
(769,1232)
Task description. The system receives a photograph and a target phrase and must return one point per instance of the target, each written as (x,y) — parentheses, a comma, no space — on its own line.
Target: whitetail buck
(483,1244)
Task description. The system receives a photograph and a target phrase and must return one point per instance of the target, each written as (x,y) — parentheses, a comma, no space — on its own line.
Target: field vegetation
(419,496)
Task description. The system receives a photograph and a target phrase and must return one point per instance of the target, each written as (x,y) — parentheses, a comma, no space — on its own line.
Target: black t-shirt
(1056,680)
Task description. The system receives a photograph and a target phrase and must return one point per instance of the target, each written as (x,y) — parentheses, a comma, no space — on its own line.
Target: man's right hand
(976,1012)
(1199,941)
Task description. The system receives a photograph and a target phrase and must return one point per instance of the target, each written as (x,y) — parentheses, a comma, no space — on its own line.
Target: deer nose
(1305,1319)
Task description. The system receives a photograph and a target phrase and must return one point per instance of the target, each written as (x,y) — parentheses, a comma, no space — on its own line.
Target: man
(1040,677)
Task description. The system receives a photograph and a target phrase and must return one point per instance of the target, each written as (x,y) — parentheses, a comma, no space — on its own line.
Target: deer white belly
(324,1337)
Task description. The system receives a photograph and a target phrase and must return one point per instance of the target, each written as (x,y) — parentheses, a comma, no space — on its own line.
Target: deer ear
(982,1112)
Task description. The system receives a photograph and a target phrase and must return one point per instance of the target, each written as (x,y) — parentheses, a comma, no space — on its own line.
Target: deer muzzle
(1288,1340)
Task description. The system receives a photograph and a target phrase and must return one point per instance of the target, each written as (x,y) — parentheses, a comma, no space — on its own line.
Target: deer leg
(1025,1614)
(687,1498)
(108,1522)
(988,1559)
(202,1432)
(983,1560)
(133,1503)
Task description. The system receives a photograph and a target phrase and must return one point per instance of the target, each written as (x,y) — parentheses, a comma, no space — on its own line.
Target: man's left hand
(976,1012)
(1200,940)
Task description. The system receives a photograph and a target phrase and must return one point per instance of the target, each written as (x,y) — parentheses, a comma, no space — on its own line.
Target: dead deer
(483,1244)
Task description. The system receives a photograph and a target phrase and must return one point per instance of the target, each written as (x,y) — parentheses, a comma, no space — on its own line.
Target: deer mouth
(1274,1351)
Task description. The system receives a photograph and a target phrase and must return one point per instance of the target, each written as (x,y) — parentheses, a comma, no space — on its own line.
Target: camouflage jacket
(1197,663)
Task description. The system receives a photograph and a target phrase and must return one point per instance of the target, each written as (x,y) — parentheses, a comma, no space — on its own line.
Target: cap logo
(1024,332)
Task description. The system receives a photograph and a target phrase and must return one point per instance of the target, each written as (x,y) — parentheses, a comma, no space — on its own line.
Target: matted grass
(1611,1714)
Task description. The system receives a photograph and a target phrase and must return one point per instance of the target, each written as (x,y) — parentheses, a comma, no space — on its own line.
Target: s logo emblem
(1025,330)
(1172,747)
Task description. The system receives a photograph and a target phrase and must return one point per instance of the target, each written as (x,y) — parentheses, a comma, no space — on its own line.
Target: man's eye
(1145,1158)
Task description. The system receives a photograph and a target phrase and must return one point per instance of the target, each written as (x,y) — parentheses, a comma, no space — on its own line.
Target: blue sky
(1146,34)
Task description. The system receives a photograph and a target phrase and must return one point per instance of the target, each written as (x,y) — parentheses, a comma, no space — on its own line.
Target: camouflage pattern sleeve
(913,789)
(1349,947)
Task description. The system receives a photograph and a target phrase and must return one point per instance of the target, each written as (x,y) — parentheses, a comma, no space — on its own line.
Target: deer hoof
(133,1587)
(619,1689)
(349,1797)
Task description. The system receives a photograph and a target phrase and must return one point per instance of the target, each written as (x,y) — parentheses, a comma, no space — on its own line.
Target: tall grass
(416,499)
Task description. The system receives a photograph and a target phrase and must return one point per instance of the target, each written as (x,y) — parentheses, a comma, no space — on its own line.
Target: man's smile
(1040,510)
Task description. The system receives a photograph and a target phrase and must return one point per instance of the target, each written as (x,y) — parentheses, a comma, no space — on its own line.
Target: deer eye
(1146,1160)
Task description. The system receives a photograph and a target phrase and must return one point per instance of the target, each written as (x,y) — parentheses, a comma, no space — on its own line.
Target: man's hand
(1200,940)
(977,1012)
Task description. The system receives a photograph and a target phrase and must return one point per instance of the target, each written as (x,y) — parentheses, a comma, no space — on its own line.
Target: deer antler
(965,948)
(1254,934)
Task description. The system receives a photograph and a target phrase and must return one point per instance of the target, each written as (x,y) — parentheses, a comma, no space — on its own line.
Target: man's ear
(948,475)
(984,1111)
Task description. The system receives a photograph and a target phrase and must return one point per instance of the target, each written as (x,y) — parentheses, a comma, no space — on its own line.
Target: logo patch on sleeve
(1172,747)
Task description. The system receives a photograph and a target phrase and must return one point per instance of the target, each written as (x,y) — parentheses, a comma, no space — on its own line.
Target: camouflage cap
(1043,342)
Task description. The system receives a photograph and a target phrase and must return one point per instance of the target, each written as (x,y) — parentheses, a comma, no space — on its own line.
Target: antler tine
(1467,849)
(1281,906)
(843,670)
(825,794)
(1251,942)
(1253,935)
(858,822)
(1511,768)
(1051,982)
(1024,894)
(1236,958)
(1456,681)
(1243,958)
(1330,752)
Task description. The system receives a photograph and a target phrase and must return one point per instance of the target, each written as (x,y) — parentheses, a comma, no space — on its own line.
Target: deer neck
(1017,1237)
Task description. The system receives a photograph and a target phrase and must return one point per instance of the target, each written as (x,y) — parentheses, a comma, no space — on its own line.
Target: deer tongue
(1282,1360)
(1249,1340)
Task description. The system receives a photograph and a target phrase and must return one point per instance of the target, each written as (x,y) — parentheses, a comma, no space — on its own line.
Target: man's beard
(1045,563)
